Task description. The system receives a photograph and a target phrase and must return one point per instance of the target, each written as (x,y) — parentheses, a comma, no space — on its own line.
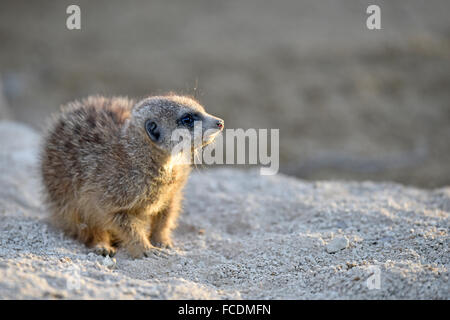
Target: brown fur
(107,183)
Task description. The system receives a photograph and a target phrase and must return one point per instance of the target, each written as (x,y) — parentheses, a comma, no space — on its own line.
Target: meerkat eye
(187,120)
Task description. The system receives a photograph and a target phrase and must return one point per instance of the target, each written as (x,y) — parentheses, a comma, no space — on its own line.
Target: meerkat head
(161,118)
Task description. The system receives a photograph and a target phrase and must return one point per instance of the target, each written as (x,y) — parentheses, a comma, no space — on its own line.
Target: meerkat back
(76,141)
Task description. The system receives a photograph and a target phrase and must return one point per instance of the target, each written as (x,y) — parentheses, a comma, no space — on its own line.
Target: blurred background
(350,103)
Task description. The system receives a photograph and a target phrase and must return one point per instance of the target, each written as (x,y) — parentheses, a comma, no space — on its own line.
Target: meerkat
(109,175)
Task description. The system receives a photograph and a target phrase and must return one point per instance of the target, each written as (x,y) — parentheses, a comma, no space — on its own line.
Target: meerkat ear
(152,130)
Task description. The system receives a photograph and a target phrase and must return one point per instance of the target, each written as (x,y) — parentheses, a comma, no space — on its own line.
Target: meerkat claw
(156,252)
(104,251)
(162,245)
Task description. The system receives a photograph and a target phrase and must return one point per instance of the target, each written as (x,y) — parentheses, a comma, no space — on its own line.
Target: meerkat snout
(220,124)
(108,170)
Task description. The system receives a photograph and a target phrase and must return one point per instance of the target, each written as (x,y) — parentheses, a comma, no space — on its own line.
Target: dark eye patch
(188,120)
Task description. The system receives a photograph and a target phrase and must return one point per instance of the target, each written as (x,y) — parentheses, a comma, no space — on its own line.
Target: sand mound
(241,235)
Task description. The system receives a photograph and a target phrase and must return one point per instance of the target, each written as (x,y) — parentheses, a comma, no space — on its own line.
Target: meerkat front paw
(104,250)
(144,249)
(139,249)
(162,242)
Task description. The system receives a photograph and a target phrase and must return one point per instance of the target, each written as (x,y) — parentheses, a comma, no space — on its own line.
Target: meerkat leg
(164,222)
(71,220)
(92,236)
(133,234)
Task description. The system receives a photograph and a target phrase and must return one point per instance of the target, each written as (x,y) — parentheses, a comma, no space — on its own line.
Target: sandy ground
(241,236)
(350,103)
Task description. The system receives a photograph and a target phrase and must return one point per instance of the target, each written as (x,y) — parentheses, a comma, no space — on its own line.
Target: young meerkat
(109,174)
